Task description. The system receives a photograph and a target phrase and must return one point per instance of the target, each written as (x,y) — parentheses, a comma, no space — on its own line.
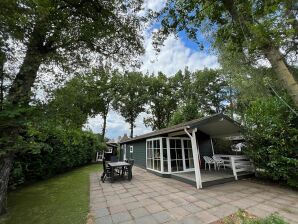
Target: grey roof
(209,125)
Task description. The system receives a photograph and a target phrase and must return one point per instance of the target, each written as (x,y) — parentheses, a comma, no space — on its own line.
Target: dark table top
(117,164)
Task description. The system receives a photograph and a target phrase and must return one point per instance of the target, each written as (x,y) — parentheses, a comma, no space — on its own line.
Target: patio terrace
(151,199)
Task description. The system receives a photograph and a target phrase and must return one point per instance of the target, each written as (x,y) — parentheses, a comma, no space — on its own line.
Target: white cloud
(154,5)
(175,56)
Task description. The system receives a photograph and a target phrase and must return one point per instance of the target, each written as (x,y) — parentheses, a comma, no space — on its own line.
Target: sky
(176,54)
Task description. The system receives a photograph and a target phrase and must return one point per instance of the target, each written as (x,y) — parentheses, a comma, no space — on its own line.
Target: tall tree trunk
(2,61)
(20,91)
(131,129)
(273,55)
(5,168)
(103,133)
(283,73)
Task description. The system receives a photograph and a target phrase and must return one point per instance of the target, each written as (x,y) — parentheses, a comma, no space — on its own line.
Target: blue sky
(175,55)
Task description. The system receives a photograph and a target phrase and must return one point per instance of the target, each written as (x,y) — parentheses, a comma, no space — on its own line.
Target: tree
(67,32)
(258,29)
(70,105)
(101,90)
(210,90)
(162,101)
(131,96)
(189,111)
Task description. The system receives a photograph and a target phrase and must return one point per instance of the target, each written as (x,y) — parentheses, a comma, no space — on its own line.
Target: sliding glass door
(189,163)
(153,151)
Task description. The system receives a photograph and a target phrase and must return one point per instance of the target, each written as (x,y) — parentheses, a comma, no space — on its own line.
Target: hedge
(53,151)
(272,137)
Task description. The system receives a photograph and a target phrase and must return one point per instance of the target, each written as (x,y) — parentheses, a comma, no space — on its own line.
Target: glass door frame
(183,154)
(160,154)
(160,139)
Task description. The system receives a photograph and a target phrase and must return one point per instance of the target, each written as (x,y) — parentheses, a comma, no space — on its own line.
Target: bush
(244,218)
(53,151)
(272,137)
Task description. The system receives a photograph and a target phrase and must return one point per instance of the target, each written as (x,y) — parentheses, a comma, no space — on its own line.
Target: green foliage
(234,25)
(211,90)
(56,150)
(243,217)
(200,93)
(272,136)
(162,101)
(70,105)
(76,28)
(131,96)
(185,113)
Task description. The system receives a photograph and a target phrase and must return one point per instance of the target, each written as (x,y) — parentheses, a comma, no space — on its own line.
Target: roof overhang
(219,127)
(216,126)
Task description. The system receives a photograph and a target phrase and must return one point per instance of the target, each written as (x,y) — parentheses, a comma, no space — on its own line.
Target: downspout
(212,145)
(195,156)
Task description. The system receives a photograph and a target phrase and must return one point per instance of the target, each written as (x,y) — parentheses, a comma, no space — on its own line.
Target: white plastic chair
(209,161)
(219,161)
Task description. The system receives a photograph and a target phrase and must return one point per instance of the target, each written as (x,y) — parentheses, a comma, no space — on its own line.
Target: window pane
(190,153)
(157,143)
(165,154)
(186,153)
(172,143)
(173,153)
(150,144)
(187,163)
(180,165)
(157,165)
(174,166)
(191,164)
(178,143)
(165,166)
(157,153)
(179,153)
(164,143)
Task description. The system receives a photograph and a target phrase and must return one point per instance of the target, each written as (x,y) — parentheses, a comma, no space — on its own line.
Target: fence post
(234,167)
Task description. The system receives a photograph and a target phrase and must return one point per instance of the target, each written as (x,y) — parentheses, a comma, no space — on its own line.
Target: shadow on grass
(62,199)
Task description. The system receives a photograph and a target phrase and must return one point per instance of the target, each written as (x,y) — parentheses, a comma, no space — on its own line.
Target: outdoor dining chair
(131,162)
(107,172)
(219,161)
(209,161)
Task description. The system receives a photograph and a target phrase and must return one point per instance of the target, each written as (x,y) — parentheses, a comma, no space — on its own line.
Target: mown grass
(63,199)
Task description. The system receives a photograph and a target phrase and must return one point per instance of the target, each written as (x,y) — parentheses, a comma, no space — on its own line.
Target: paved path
(152,199)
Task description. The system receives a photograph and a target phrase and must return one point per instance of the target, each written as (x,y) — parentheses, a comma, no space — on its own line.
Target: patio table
(122,166)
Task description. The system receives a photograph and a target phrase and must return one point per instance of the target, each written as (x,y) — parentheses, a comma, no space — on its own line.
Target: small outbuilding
(178,151)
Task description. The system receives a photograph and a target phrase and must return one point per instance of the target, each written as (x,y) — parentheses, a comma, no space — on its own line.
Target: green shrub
(53,151)
(272,136)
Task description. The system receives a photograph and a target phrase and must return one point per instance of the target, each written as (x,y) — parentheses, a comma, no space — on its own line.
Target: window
(189,163)
(153,154)
(131,149)
(110,150)
(176,155)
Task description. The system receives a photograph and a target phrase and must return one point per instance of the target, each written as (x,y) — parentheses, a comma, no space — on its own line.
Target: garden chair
(107,172)
(131,162)
(219,161)
(209,161)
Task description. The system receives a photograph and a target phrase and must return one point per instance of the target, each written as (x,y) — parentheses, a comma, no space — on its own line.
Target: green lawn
(62,199)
